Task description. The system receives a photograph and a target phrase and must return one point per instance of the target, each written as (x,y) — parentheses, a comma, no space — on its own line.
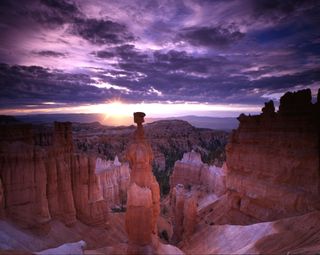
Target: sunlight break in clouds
(119,113)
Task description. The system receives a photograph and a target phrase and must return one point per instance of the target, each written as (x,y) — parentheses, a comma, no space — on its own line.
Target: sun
(117,113)
(117,108)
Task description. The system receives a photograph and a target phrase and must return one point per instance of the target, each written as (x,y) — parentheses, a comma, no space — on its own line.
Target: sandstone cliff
(43,178)
(273,159)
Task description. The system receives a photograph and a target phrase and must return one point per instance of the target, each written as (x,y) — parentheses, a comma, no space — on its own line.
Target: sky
(164,57)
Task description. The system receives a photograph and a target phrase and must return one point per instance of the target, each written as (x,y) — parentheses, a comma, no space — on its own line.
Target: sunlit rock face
(193,186)
(273,159)
(191,171)
(44,179)
(143,204)
(114,181)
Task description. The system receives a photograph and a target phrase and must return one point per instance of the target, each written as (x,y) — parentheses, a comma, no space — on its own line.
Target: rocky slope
(14,238)
(43,179)
(296,235)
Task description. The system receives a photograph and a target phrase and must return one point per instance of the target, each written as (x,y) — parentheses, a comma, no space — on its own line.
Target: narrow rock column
(143,204)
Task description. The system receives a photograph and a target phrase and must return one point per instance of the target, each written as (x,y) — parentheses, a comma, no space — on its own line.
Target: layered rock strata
(273,159)
(43,178)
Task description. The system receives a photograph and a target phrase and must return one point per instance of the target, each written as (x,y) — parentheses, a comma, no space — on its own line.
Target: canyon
(168,140)
(58,185)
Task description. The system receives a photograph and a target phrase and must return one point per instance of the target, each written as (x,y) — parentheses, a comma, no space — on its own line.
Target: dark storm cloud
(36,85)
(102,31)
(290,80)
(50,53)
(54,13)
(278,9)
(181,76)
(126,52)
(69,8)
(210,36)
(206,51)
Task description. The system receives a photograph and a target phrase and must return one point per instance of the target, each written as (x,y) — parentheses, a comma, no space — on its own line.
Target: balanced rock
(143,198)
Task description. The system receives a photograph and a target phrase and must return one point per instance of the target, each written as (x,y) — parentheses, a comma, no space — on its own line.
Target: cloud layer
(66,52)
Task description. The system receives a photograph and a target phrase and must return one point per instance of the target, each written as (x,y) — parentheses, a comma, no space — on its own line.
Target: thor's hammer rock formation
(143,204)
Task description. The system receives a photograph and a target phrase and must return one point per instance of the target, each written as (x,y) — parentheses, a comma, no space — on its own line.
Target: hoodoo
(143,205)
(143,198)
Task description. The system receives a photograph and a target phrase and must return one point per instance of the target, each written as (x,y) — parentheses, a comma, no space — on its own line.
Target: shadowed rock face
(44,179)
(273,159)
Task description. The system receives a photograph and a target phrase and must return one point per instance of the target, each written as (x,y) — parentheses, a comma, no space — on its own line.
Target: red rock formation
(193,186)
(143,204)
(191,171)
(44,179)
(114,181)
(184,207)
(90,206)
(294,235)
(273,159)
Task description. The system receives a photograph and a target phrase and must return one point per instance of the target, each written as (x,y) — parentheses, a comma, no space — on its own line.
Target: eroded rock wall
(114,181)
(273,159)
(191,171)
(193,186)
(43,178)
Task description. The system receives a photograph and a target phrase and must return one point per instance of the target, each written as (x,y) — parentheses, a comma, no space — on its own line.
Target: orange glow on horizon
(120,113)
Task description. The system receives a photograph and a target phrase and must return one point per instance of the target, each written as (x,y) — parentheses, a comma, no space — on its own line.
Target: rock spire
(143,204)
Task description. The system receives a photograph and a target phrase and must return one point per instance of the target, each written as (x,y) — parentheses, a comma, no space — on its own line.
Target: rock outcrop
(294,235)
(143,204)
(191,171)
(193,185)
(114,181)
(143,198)
(184,209)
(273,160)
(44,179)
